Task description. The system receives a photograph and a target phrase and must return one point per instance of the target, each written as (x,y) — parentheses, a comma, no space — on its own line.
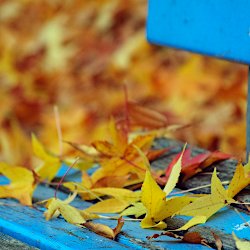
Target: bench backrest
(219,28)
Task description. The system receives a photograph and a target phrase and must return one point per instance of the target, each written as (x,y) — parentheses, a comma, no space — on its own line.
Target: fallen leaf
(240,180)
(51,164)
(69,213)
(189,237)
(194,165)
(120,158)
(22,183)
(204,207)
(175,173)
(192,237)
(154,199)
(119,226)
(104,230)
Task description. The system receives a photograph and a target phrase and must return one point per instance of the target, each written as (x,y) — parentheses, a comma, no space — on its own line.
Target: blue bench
(198,26)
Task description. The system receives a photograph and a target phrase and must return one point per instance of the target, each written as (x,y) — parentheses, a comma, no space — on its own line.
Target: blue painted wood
(227,220)
(29,225)
(217,28)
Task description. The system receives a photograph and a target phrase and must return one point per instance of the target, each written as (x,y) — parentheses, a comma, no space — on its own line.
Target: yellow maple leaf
(123,159)
(204,207)
(154,199)
(22,183)
(69,213)
(51,164)
(240,180)
(174,176)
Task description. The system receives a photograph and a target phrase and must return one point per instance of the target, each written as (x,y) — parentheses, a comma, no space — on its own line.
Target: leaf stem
(196,188)
(60,182)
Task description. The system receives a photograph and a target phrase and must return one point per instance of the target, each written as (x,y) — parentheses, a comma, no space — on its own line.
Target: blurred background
(79,54)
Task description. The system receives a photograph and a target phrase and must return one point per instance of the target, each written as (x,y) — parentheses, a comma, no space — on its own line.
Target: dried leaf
(104,230)
(194,165)
(189,237)
(22,183)
(51,164)
(69,213)
(192,237)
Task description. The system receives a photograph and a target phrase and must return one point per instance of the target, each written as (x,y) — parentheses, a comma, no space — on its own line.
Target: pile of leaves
(123,167)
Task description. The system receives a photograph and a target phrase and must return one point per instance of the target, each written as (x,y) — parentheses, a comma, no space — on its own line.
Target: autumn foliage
(79,80)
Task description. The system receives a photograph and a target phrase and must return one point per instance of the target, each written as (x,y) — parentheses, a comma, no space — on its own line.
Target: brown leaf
(189,237)
(192,237)
(104,230)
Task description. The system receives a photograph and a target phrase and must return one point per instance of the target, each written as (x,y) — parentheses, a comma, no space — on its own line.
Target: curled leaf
(69,213)
(104,230)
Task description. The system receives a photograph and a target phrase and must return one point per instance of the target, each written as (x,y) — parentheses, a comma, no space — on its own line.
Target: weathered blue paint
(29,226)
(217,28)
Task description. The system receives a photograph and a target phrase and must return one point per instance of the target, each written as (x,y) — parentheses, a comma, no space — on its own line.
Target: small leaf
(154,199)
(104,230)
(240,180)
(189,237)
(51,164)
(69,213)
(174,175)
(22,183)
